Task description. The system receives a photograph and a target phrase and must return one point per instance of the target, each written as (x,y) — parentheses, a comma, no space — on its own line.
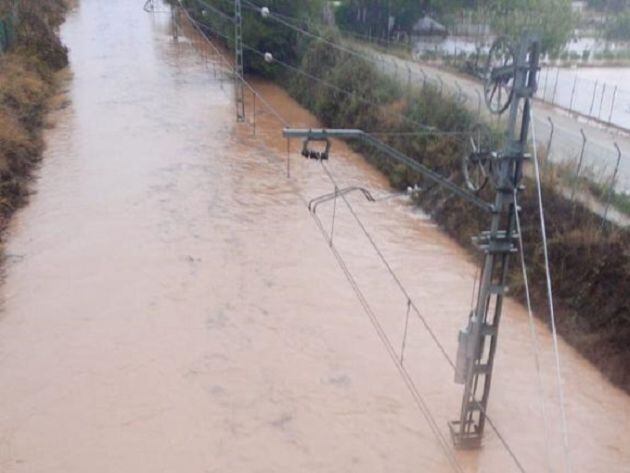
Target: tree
(553,20)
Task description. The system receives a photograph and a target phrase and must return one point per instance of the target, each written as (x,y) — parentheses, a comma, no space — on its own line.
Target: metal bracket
(314,203)
(392,153)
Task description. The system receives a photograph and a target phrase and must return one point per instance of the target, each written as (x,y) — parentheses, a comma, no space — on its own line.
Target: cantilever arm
(392,153)
(312,205)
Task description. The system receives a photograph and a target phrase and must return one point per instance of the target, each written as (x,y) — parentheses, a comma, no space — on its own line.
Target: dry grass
(27,80)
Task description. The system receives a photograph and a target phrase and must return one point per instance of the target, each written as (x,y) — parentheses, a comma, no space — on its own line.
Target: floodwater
(170,305)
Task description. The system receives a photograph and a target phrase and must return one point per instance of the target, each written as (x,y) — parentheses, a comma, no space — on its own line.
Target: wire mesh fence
(595,99)
(593,170)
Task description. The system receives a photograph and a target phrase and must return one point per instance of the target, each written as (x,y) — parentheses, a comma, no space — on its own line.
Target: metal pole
(601,102)
(612,105)
(238,62)
(590,112)
(288,158)
(551,133)
(579,166)
(254,111)
(613,182)
(573,93)
(174,24)
(555,87)
(478,342)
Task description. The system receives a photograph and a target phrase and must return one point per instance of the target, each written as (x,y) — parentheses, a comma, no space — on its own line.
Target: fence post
(612,105)
(441,84)
(579,166)
(590,112)
(551,133)
(573,93)
(555,87)
(613,181)
(601,102)
(545,86)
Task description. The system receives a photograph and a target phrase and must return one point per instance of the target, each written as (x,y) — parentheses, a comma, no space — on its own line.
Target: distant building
(427,26)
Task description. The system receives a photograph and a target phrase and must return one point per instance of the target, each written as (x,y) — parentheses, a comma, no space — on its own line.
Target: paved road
(600,154)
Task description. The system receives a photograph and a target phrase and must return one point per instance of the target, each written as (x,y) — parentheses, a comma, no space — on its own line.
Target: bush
(26,82)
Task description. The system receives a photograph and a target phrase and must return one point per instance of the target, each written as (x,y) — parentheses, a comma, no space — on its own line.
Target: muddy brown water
(170,305)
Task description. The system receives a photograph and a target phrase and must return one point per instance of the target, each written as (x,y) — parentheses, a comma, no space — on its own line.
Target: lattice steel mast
(511,83)
(516,76)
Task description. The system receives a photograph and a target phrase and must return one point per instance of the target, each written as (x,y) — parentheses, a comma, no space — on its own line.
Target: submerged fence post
(288,158)
(579,166)
(611,188)
(254,111)
(441,84)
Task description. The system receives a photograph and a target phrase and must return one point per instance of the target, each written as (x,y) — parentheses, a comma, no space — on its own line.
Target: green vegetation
(26,82)
(552,19)
(590,267)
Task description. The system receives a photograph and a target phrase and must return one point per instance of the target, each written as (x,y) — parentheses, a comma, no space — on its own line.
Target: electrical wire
(532,331)
(279,18)
(552,316)
(433,131)
(430,130)
(404,374)
(422,319)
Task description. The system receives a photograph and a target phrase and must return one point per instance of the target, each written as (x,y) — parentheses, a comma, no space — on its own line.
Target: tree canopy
(552,19)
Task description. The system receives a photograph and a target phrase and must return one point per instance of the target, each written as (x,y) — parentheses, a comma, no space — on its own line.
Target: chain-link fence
(596,99)
(595,171)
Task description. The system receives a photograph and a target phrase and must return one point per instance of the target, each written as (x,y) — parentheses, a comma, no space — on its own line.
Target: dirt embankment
(27,81)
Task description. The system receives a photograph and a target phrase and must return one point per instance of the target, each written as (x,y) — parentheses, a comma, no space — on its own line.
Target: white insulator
(204,12)
(264,11)
(269,57)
